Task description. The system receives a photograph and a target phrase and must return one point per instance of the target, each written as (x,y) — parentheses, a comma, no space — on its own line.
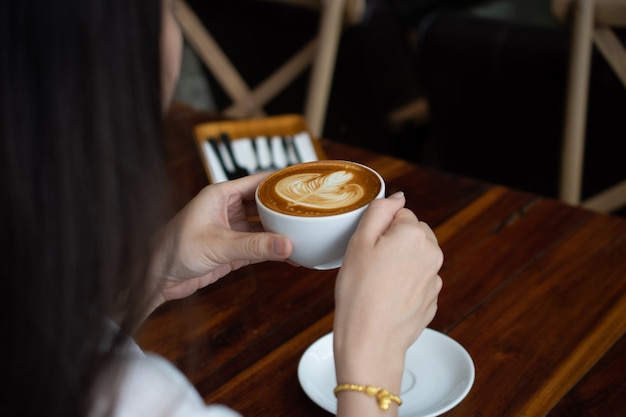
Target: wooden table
(535,290)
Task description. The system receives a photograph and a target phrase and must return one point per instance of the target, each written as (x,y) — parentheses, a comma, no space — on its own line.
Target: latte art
(320,188)
(320,191)
(318,206)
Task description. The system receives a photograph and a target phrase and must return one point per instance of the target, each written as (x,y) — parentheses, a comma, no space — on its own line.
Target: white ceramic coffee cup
(319,242)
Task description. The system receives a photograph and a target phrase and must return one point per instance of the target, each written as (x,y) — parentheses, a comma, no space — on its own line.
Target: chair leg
(572,156)
(324,65)
(277,81)
(250,102)
(609,200)
(613,51)
(214,58)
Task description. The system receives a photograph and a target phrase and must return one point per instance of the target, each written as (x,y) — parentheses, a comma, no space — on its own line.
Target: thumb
(261,246)
(379,215)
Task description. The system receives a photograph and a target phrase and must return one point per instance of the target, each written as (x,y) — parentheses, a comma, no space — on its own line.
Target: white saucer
(438,375)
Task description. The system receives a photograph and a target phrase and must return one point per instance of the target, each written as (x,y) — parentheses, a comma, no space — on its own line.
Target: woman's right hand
(386,294)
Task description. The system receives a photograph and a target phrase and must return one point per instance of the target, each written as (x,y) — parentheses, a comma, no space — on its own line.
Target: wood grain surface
(534,289)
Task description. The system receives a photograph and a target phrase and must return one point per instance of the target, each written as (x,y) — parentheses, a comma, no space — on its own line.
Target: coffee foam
(319,188)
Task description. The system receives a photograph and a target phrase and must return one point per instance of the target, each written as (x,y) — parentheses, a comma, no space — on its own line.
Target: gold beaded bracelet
(383,396)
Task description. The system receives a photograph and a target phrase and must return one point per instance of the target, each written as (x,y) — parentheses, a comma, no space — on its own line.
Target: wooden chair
(592,23)
(319,52)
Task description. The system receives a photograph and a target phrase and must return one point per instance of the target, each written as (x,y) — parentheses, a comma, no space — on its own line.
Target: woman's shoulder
(149,385)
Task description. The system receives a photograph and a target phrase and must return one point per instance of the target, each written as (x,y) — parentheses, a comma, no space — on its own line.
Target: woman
(87,254)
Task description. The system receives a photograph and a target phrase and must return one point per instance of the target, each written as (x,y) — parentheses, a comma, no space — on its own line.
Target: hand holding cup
(318,205)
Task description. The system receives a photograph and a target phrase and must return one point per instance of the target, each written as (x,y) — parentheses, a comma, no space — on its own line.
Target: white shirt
(149,385)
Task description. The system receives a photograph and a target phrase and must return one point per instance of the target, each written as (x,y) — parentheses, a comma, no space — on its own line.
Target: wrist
(384,398)
(369,364)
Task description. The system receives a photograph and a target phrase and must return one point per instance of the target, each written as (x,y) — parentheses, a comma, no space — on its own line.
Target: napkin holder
(242,131)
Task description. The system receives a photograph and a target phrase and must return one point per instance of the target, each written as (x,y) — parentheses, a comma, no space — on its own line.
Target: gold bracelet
(383,396)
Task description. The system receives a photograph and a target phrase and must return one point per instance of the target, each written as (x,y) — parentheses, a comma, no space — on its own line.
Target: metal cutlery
(272,166)
(231,173)
(255,152)
(265,141)
(291,151)
(239,171)
(257,155)
(232,169)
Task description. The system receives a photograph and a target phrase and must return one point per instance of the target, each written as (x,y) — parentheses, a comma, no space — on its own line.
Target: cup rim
(381,193)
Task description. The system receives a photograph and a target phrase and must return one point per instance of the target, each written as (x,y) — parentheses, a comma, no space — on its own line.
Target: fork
(268,143)
(257,154)
(290,149)
(231,174)
(239,171)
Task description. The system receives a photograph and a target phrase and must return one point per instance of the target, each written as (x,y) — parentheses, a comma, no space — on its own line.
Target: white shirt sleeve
(149,385)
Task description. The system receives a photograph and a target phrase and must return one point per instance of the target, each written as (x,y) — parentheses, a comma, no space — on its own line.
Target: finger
(406,216)
(254,247)
(379,216)
(246,186)
(430,233)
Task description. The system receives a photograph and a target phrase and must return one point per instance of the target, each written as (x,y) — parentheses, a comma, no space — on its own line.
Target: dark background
(492,72)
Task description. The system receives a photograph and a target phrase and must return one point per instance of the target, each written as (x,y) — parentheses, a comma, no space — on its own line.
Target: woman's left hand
(211,237)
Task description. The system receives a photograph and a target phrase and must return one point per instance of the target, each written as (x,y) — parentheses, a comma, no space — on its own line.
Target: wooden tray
(291,126)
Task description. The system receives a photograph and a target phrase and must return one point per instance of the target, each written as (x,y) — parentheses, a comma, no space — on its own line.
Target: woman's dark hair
(82,190)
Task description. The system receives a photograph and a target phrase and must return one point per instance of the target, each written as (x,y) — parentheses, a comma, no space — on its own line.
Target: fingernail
(397,194)
(279,246)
